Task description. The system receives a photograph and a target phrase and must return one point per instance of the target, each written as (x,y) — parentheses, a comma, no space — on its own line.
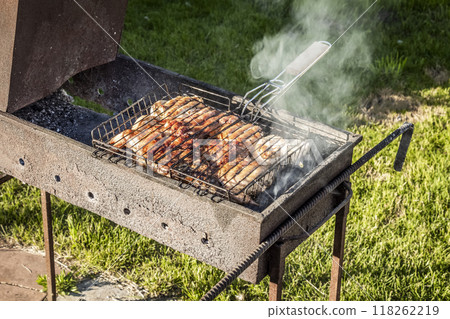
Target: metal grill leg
(276,272)
(338,254)
(4,178)
(48,240)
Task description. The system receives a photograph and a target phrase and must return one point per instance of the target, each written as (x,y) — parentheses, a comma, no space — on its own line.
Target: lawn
(391,67)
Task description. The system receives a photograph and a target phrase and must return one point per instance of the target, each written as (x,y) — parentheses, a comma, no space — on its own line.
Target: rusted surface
(276,272)
(53,40)
(8,17)
(338,254)
(48,243)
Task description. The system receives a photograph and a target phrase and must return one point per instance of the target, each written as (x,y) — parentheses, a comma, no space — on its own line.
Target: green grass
(66,283)
(398,239)
(389,67)
(200,38)
(416,30)
(91,105)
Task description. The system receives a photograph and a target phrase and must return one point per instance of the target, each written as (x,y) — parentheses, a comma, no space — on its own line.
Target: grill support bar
(48,241)
(277,262)
(310,203)
(4,178)
(276,272)
(338,252)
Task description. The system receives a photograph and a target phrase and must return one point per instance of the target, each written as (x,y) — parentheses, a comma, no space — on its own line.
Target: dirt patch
(378,106)
(438,74)
(5,244)
(388,107)
(423,113)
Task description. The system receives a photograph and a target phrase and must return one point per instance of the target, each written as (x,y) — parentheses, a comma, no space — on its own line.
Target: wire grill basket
(300,152)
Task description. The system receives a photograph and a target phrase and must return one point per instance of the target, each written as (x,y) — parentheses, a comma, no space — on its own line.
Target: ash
(57,113)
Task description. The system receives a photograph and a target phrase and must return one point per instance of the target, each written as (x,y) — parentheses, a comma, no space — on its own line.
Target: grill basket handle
(308,58)
(268,93)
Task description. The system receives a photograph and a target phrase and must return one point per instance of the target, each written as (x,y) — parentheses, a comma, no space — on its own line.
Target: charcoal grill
(223,233)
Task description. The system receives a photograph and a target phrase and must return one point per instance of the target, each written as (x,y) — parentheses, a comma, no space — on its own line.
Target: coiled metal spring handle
(406,130)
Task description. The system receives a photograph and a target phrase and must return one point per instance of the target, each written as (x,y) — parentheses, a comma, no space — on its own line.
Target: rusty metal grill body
(43,43)
(218,233)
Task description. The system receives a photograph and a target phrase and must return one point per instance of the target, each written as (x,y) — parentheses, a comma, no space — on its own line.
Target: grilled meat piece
(228,119)
(192,114)
(269,146)
(241,131)
(227,129)
(144,120)
(192,105)
(140,145)
(221,152)
(230,169)
(251,135)
(176,106)
(208,126)
(121,139)
(249,173)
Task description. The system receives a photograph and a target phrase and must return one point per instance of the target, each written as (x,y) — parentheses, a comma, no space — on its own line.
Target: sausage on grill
(121,139)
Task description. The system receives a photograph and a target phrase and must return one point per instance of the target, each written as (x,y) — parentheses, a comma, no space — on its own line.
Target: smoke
(326,90)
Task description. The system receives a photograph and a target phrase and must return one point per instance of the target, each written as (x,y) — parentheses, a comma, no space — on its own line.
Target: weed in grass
(65,283)
(389,69)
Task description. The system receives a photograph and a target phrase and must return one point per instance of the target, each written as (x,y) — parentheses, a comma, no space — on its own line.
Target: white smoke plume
(326,90)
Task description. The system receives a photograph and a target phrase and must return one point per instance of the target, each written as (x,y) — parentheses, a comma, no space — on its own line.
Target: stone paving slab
(19,270)
(18,273)
(15,293)
(101,289)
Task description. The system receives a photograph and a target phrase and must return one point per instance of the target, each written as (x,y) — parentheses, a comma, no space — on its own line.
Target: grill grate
(142,131)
